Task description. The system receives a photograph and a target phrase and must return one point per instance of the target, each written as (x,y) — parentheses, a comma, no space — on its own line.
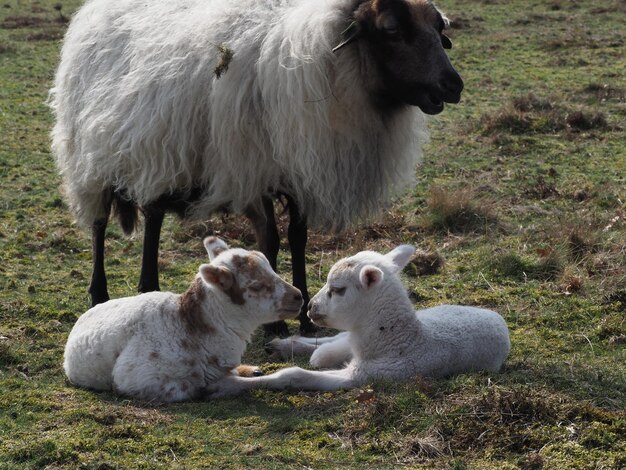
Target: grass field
(521,200)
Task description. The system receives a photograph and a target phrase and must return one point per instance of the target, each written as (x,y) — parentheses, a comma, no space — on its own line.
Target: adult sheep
(198,105)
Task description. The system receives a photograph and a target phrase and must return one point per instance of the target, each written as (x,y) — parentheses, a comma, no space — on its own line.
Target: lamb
(165,347)
(386,338)
(194,106)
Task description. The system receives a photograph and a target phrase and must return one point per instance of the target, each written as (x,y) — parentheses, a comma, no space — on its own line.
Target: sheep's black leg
(267,233)
(149,277)
(264,224)
(297,236)
(98,287)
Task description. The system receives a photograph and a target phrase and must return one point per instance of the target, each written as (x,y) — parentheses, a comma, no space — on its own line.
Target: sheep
(386,338)
(164,347)
(194,106)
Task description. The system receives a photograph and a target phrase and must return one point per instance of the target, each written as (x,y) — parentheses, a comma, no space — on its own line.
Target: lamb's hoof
(273,347)
(276,348)
(248,371)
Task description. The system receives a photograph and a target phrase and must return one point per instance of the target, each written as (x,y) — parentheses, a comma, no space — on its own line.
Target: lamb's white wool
(167,347)
(386,337)
(137,83)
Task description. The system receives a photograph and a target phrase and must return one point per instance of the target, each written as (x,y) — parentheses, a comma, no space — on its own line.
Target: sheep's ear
(401,256)
(214,246)
(370,276)
(217,275)
(349,35)
(445,42)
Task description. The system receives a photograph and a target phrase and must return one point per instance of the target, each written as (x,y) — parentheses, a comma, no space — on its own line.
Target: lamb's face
(406,41)
(339,303)
(249,281)
(353,286)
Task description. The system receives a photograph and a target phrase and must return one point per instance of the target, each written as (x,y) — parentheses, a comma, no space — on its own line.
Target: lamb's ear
(214,246)
(349,35)
(401,256)
(370,276)
(219,276)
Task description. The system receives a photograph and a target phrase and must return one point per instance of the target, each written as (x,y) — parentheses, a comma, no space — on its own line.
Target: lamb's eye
(256,286)
(336,290)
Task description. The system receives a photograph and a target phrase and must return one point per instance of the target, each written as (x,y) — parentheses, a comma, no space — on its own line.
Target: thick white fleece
(140,109)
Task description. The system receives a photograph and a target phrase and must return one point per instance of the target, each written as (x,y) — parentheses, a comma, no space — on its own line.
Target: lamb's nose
(309,305)
(297,297)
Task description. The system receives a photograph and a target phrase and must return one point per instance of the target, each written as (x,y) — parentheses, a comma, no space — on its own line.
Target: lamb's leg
(333,354)
(286,348)
(264,224)
(293,378)
(297,236)
(98,287)
(301,345)
(149,277)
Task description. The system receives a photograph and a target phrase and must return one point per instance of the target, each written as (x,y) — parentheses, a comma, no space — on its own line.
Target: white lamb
(386,338)
(166,347)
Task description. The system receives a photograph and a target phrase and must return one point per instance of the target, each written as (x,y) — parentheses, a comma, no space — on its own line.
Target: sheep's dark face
(406,40)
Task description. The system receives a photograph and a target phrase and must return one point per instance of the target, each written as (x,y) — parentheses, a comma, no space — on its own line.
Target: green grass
(522,196)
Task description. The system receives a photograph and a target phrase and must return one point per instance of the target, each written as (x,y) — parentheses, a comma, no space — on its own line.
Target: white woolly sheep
(194,106)
(386,338)
(166,347)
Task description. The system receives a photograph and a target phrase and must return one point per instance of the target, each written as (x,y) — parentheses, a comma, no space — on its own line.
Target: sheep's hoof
(278,328)
(308,329)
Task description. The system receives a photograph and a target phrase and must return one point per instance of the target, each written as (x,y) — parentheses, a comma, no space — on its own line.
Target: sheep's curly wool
(139,109)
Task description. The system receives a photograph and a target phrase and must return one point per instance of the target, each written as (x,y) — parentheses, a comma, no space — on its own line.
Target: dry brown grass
(458,211)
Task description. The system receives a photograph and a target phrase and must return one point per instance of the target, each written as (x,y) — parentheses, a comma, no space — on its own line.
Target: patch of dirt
(18,22)
(49,35)
(529,114)
(605,92)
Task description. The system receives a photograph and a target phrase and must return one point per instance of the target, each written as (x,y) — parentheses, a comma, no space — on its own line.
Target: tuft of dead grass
(424,263)
(530,102)
(529,114)
(605,92)
(502,418)
(585,121)
(458,212)
(580,244)
(542,188)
